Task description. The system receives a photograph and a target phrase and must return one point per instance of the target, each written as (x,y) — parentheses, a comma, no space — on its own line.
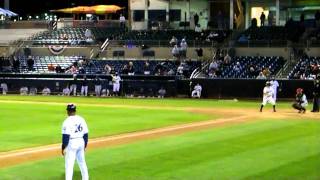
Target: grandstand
(282,47)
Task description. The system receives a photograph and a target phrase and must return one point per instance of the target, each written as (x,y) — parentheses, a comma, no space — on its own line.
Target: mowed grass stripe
(148,102)
(33,125)
(254,149)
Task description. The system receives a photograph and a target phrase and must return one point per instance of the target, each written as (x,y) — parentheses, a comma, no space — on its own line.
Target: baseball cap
(71,107)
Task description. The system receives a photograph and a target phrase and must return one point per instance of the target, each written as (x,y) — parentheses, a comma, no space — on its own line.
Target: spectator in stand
(262,18)
(15,64)
(173,41)
(51,68)
(46,91)
(88,34)
(270,18)
(97,86)
(107,69)
(146,68)
(252,72)
(183,48)
(220,20)
(196,19)
(58,69)
(162,92)
(237,67)
(180,69)
(199,53)
(66,91)
(198,29)
(131,70)
(227,59)
(84,86)
(30,63)
(24,91)
(213,36)
(214,66)
(122,20)
(266,72)
(261,76)
(175,51)
(4,88)
(125,69)
(65,37)
(73,85)
(212,74)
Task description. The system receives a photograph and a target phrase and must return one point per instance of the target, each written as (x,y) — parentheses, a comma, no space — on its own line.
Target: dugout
(149,85)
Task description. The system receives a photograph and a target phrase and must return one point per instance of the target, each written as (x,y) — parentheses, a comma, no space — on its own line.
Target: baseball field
(160,139)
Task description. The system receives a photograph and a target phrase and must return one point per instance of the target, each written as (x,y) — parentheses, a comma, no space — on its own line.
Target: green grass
(29,125)
(268,149)
(147,102)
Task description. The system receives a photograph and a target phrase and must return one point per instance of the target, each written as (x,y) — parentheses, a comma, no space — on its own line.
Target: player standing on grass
(268,96)
(74,143)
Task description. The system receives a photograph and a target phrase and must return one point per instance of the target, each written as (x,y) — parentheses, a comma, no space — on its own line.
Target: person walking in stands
(196,19)
(30,63)
(73,85)
(122,20)
(84,86)
(97,86)
(262,18)
(270,19)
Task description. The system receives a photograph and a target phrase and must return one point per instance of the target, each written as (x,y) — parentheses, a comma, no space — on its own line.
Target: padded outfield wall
(149,85)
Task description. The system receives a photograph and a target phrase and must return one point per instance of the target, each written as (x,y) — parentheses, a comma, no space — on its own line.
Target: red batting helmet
(299,90)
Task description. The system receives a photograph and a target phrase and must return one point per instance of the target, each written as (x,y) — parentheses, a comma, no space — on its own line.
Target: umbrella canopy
(7,12)
(106,9)
(100,9)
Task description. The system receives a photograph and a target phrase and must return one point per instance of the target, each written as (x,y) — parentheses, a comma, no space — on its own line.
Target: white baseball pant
(75,151)
(97,90)
(268,100)
(116,87)
(84,90)
(73,88)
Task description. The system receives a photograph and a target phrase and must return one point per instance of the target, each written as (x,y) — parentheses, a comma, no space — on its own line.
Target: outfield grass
(147,102)
(29,125)
(267,149)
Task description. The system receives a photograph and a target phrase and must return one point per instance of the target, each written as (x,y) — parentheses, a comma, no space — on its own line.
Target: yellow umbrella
(99,9)
(105,9)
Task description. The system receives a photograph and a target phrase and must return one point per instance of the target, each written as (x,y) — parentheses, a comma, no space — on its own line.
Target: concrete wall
(263,52)
(313,52)
(132,53)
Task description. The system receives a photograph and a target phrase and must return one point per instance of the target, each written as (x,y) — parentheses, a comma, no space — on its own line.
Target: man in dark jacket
(316,94)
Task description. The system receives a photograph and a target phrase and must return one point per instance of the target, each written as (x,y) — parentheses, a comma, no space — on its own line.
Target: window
(138,15)
(157,15)
(175,15)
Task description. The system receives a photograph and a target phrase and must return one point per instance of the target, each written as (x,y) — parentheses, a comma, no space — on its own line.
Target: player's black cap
(71,107)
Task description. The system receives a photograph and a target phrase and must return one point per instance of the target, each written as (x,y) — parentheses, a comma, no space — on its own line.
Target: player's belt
(77,138)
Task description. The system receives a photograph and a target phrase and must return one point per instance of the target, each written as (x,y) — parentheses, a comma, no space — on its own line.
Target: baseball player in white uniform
(196,93)
(74,143)
(116,83)
(275,85)
(268,94)
(4,88)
